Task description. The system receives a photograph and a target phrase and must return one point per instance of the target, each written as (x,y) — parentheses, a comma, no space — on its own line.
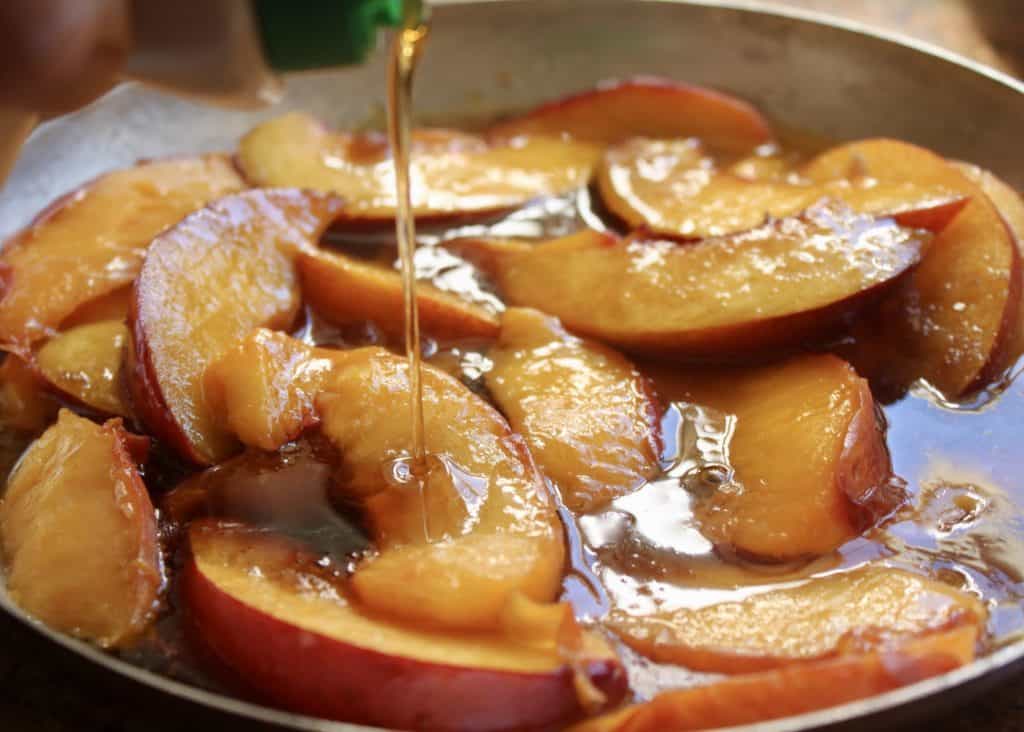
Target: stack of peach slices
(651,430)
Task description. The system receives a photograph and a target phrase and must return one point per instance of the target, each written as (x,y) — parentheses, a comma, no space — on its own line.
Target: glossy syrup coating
(347,291)
(454,172)
(671,188)
(590,417)
(774,286)
(829,616)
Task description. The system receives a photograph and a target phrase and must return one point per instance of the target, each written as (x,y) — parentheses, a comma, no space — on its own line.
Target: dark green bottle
(314,34)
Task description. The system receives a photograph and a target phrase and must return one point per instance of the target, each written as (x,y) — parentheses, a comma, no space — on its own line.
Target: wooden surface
(43,689)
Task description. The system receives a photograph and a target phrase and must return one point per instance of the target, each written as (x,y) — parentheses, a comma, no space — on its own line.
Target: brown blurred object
(989,31)
(58,55)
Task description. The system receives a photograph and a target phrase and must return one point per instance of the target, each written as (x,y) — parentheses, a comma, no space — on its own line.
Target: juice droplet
(404,473)
(448,478)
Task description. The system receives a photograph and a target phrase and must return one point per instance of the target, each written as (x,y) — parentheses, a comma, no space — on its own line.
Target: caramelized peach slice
(92,242)
(1010,206)
(645,107)
(346,291)
(1007,201)
(84,363)
(767,164)
(589,417)
(25,405)
(452,172)
(112,306)
(670,187)
(776,286)
(207,283)
(483,519)
(808,487)
(263,607)
(796,689)
(951,322)
(836,614)
(79,533)
(264,388)
(481,527)
(490,254)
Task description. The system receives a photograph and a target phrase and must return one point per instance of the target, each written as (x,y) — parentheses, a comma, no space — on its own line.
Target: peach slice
(84,363)
(25,404)
(490,254)
(79,533)
(482,519)
(784,692)
(589,417)
(1010,206)
(480,527)
(92,242)
(823,617)
(112,306)
(265,609)
(803,490)
(452,172)
(951,321)
(777,286)
(345,291)
(1007,201)
(670,188)
(767,164)
(645,107)
(205,285)
(265,387)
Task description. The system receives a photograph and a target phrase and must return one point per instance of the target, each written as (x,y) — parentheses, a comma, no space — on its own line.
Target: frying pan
(806,71)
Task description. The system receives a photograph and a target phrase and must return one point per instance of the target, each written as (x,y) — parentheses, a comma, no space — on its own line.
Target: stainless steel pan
(489,57)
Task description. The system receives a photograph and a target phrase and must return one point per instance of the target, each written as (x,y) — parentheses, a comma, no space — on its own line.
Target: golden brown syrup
(291,491)
(966,522)
(405,52)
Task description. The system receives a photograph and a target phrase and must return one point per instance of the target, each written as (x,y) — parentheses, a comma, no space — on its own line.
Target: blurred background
(989,31)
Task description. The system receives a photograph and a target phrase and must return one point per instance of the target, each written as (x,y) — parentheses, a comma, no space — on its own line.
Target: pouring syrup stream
(406,50)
